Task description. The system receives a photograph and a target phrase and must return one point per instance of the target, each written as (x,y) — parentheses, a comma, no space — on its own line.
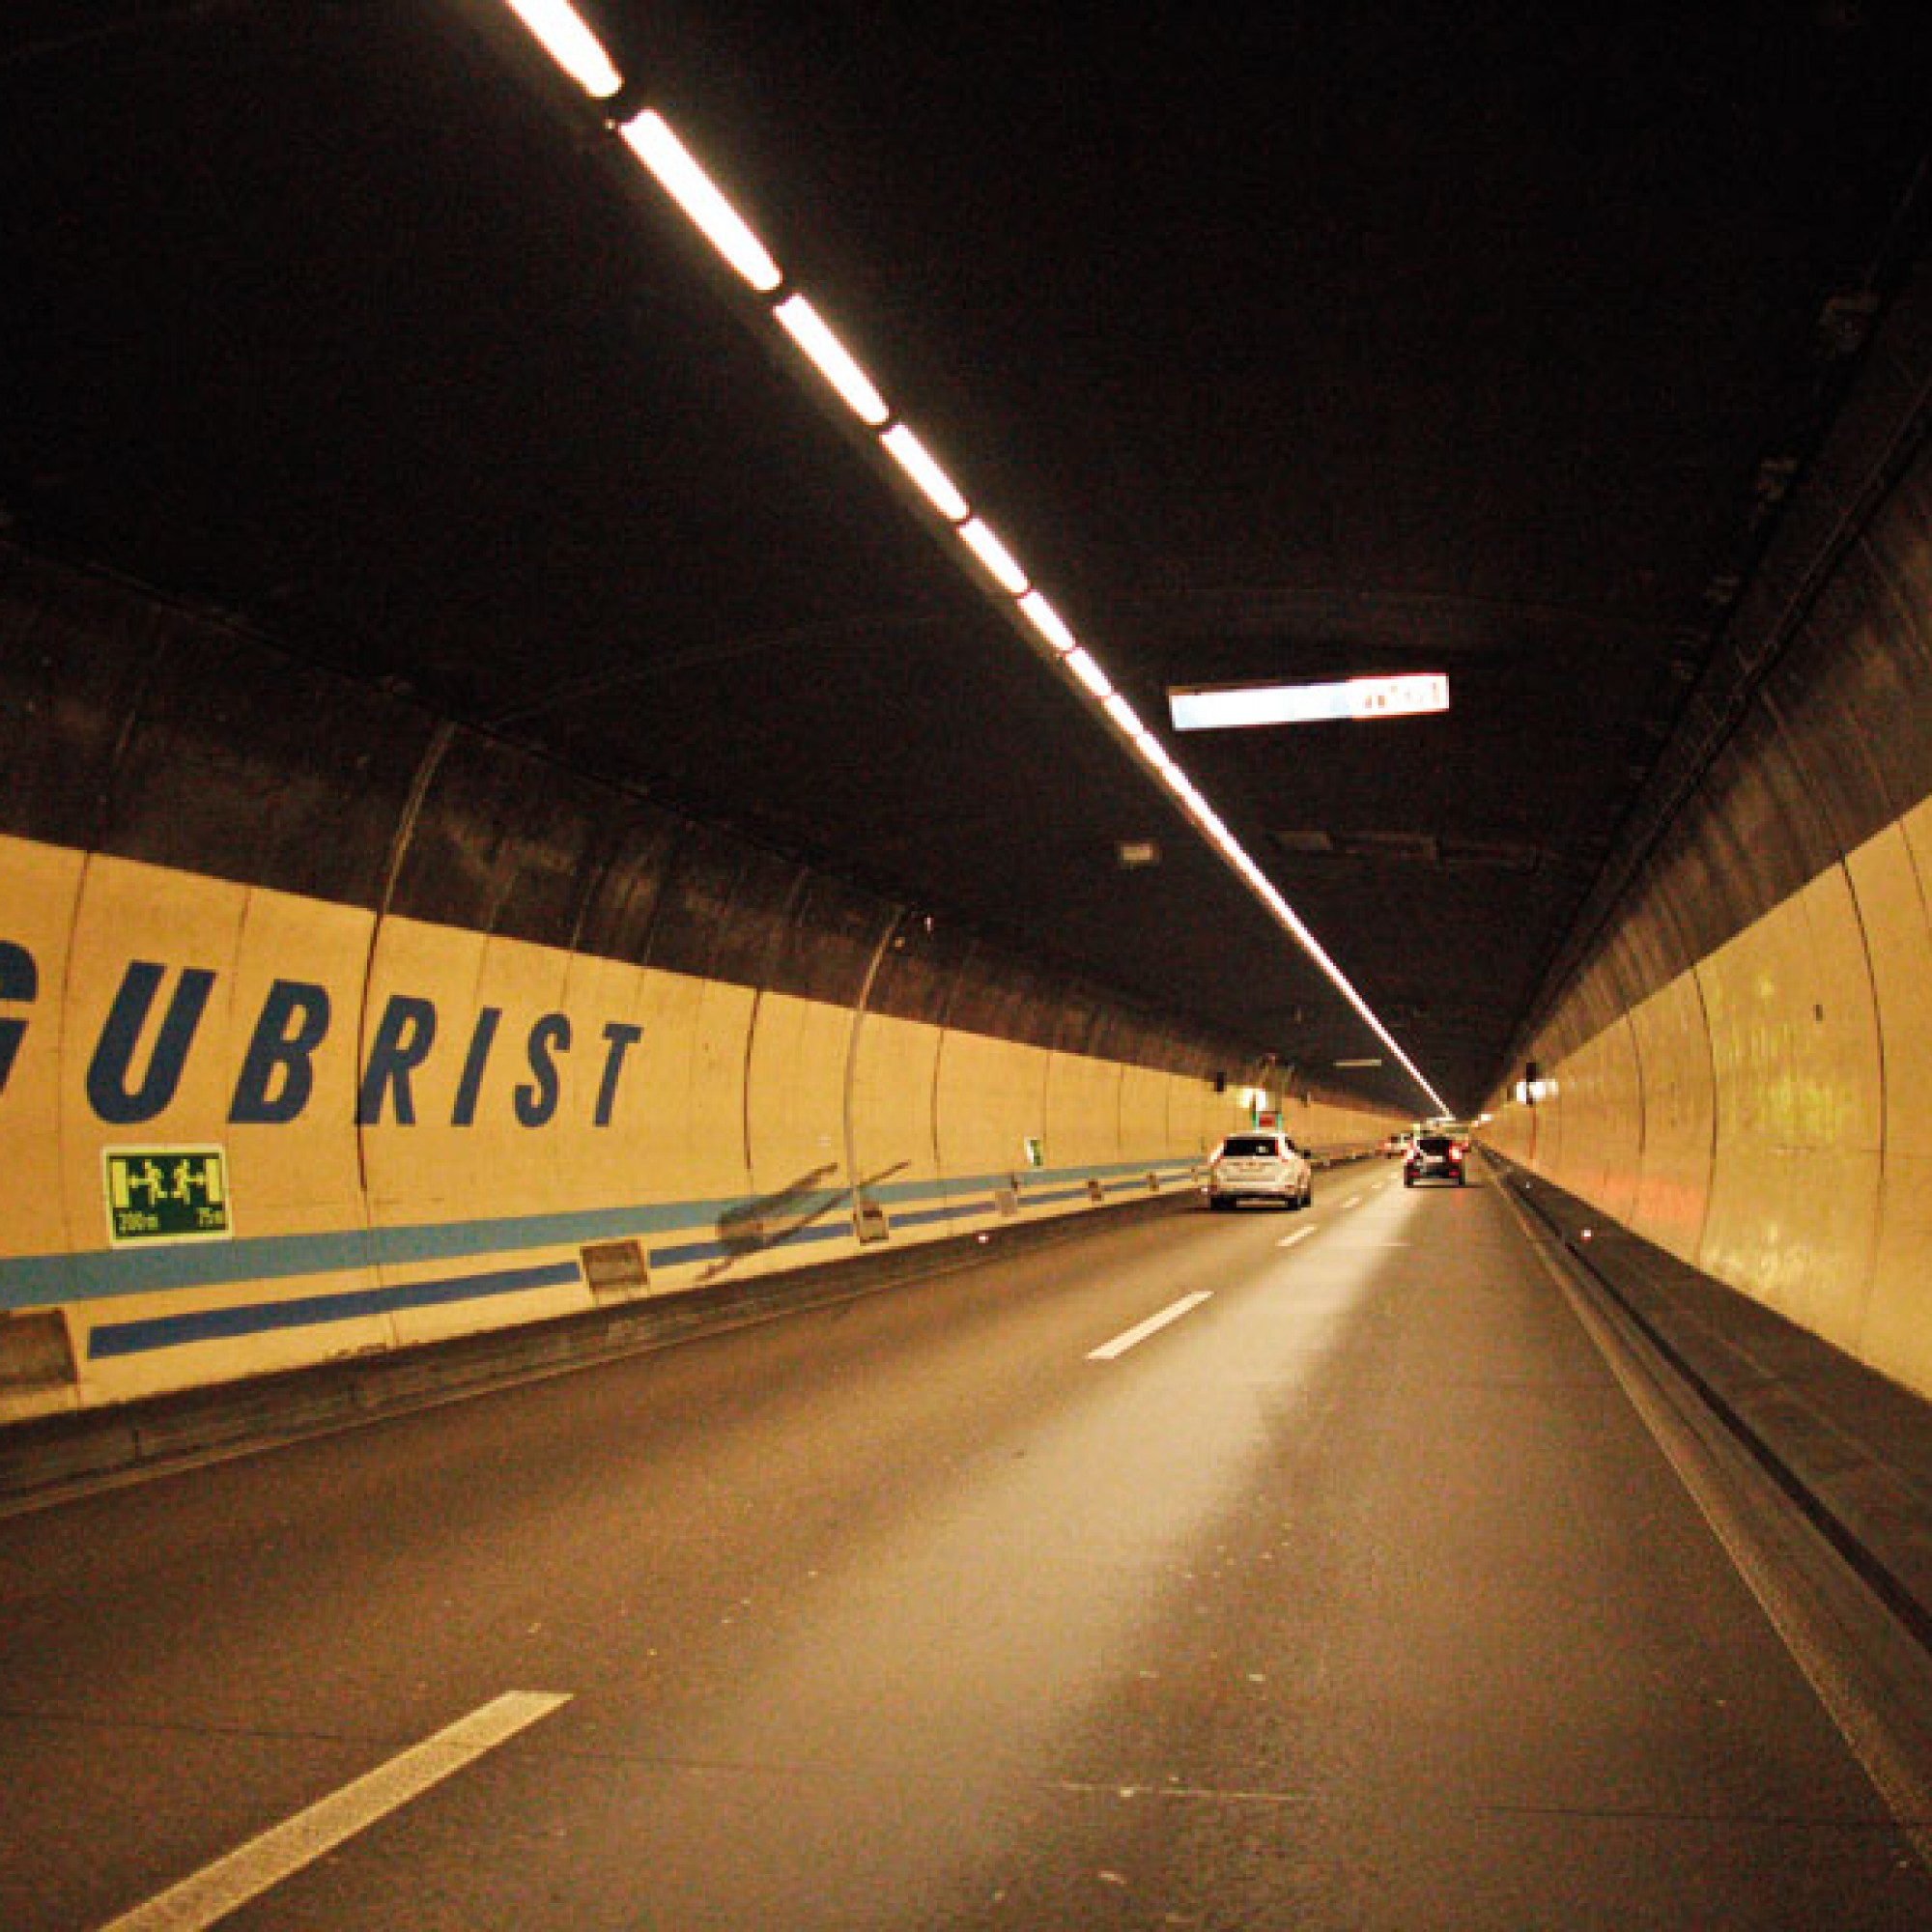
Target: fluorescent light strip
(1048,622)
(1310,944)
(650,138)
(995,555)
(1210,821)
(570,43)
(1081,663)
(578,52)
(833,361)
(928,479)
(1086,668)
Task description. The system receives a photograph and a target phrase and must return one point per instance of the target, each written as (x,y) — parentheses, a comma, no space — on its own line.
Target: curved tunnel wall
(1743,1071)
(327,1027)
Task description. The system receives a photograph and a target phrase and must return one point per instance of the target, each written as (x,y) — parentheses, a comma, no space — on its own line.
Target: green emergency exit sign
(165,1194)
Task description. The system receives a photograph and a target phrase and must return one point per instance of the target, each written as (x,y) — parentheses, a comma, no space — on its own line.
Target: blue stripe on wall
(46,1280)
(716,1250)
(922,1216)
(217,1324)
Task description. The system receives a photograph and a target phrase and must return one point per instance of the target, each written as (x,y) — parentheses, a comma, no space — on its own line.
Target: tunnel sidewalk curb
(1852,1449)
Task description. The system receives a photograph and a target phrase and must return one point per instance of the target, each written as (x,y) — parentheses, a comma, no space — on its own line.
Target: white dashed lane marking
(1152,1325)
(251,1869)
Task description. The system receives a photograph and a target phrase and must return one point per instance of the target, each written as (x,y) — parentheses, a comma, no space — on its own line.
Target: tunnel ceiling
(1284,342)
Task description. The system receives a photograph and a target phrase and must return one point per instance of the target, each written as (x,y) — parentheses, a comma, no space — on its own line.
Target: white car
(1263,1165)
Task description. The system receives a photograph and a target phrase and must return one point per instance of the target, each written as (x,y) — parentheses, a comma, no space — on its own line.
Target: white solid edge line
(1299,1235)
(1152,1325)
(252,1868)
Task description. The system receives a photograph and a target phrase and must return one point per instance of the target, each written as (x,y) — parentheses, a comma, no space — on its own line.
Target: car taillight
(1455,1154)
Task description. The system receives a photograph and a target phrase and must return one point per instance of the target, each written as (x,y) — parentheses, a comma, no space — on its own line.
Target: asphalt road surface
(1303,1571)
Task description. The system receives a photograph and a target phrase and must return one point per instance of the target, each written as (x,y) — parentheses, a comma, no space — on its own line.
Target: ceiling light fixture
(928,479)
(570,43)
(1084,665)
(832,359)
(650,138)
(1048,622)
(996,556)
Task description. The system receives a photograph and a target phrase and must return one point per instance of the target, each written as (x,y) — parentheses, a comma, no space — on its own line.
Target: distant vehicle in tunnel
(1437,1158)
(1264,1165)
(1396,1146)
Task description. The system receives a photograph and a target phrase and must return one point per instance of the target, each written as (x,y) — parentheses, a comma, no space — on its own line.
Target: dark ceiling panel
(1280,341)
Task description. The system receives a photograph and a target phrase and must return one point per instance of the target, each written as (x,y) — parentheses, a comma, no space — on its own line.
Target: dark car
(1437,1158)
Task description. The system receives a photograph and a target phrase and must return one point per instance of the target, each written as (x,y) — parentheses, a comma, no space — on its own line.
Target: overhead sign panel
(1231,706)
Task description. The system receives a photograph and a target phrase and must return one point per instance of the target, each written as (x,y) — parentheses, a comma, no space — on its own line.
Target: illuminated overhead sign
(1226,707)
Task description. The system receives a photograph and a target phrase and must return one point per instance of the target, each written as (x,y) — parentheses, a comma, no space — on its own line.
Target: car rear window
(1264,1146)
(1436,1143)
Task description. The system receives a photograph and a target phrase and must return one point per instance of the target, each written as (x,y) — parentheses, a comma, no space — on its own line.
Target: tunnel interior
(460,659)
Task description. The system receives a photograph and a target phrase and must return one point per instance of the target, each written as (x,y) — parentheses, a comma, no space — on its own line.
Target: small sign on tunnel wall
(165,1194)
(615,1270)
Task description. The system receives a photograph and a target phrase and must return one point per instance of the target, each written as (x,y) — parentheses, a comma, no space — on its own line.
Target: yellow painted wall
(989,1097)
(1764,1115)
(1892,876)
(1080,1105)
(1673,1179)
(1794,1190)
(894,1068)
(794,1098)
(427,1156)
